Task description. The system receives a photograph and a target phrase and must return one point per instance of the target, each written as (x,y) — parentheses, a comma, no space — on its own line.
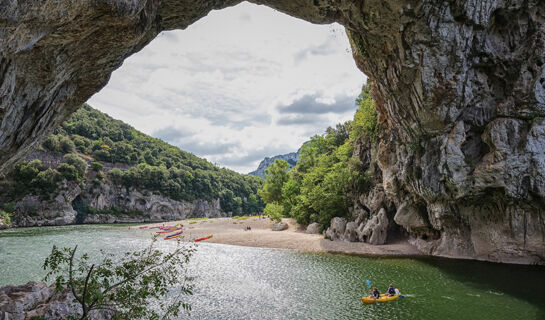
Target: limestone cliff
(101,201)
(106,203)
(291,158)
(459,87)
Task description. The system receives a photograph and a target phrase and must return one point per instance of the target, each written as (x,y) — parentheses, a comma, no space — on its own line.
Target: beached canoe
(169,230)
(203,238)
(174,235)
(383,298)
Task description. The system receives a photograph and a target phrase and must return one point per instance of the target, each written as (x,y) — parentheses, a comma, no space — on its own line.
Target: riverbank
(233,231)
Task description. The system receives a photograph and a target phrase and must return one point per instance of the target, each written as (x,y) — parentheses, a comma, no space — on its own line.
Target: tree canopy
(316,189)
(153,164)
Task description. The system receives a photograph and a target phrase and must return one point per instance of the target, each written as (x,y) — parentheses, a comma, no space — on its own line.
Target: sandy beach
(232,231)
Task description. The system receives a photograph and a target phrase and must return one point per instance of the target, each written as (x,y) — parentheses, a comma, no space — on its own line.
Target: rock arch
(459,85)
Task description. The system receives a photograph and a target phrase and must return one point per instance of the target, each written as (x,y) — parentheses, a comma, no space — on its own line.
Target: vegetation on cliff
(90,141)
(316,189)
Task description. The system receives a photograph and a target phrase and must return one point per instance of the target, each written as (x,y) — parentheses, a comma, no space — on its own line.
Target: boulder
(410,217)
(313,228)
(375,231)
(336,228)
(36,299)
(280,226)
(350,234)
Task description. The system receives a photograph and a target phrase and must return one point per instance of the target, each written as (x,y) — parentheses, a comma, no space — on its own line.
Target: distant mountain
(291,158)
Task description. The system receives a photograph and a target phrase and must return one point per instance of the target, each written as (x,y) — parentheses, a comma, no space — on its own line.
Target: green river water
(235,282)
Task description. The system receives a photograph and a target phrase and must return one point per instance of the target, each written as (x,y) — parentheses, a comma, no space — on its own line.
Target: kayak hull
(201,239)
(383,298)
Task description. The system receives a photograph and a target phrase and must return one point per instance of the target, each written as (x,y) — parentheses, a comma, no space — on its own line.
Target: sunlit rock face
(459,87)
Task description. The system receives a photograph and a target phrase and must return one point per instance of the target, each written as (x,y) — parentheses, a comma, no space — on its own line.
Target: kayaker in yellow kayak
(391,291)
(375,294)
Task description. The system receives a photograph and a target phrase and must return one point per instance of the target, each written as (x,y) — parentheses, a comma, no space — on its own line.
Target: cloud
(329,47)
(171,134)
(207,148)
(230,87)
(253,156)
(310,104)
(299,119)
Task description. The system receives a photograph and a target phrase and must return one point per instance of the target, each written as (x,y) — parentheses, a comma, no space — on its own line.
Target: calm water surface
(254,283)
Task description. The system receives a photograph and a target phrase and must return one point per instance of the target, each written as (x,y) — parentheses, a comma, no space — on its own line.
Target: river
(233,282)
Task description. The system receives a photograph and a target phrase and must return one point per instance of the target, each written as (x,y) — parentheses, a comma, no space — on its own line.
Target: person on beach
(391,291)
(376,293)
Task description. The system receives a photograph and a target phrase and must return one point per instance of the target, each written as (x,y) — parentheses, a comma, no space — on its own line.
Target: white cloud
(233,87)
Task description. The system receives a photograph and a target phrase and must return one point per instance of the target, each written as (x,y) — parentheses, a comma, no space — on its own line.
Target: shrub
(5,217)
(97,166)
(67,145)
(68,171)
(77,162)
(46,181)
(51,143)
(274,211)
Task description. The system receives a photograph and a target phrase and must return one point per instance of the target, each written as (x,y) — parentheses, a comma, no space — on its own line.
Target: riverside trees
(316,189)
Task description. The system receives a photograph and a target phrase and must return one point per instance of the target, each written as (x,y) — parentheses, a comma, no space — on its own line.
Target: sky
(241,84)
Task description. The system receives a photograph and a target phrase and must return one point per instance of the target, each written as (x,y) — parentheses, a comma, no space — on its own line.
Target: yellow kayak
(383,298)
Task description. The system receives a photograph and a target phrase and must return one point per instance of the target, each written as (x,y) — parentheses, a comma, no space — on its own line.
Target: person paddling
(376,293)
(391,291)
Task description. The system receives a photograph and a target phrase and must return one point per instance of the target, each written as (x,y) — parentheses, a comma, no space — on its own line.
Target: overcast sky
(241,84)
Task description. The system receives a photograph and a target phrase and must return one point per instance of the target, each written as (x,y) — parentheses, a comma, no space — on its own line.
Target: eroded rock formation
(459,87)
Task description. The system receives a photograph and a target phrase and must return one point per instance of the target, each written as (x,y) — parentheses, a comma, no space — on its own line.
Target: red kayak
(203,238)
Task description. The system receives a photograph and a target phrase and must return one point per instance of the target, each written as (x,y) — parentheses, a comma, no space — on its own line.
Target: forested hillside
(92,147)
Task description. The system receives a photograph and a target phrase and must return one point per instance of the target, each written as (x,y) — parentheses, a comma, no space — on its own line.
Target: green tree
(275,177)
(52,143)
(77,162)
(24,172)
(274,211)
(365,119)
(46,181)
(130,285)
(68,171)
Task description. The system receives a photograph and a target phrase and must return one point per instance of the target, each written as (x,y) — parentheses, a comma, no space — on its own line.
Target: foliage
(154,165)
(128,286)
(158,166)
(77,162)
(365,119)
(316,189)
(275,177)
(5,217)
(68,171)
(59,143)
(97,166)
(274,211)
